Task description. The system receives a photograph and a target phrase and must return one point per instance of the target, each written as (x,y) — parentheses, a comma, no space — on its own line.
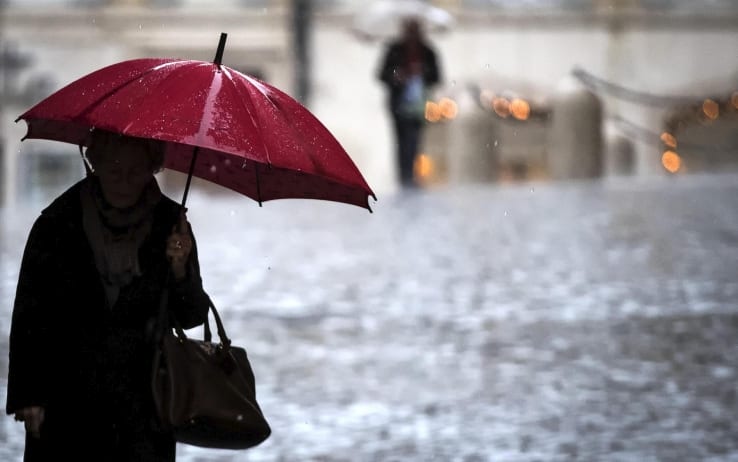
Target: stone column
(575,138)
(472,156)
(619,153)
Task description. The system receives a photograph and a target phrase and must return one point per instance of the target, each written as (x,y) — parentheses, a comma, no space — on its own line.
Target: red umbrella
(219,124)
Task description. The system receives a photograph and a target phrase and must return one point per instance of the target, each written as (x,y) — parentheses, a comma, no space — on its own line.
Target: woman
(95,265)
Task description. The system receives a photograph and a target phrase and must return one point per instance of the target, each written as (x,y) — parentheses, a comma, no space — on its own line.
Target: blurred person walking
(409,69)
(95,265)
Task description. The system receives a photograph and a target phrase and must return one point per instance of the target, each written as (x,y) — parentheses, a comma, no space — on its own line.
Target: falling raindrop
(233,213)
(213,169)
(496,142)
(453,83)
(486,66)
(505,212)
(532,189)
(140,26)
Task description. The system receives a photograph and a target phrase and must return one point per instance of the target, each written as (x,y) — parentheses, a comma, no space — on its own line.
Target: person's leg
(399,146)
(413,133)
(409,139)
(403,149)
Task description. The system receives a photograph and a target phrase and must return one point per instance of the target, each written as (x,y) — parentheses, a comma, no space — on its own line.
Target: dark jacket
(393,62)
(89,365)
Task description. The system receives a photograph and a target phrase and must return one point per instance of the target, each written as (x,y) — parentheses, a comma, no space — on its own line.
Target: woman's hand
(32,417)
(179,246)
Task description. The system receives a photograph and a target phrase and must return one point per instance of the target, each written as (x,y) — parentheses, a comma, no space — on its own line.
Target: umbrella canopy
(245,134)
(383,19)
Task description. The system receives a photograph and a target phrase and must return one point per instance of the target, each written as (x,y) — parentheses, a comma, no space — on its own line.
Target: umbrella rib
(297,133)
(162,84)
(256,84)
(250,113)
(93,105)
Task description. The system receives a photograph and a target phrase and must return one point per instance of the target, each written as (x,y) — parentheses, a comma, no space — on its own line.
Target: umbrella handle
(189,176)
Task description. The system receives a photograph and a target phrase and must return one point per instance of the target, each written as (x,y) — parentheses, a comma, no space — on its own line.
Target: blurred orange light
(669,140)
(711,109)
(501,107)
(520,109)
(449,109)
(734,99)
(671,161)
(424,166)
(432,111)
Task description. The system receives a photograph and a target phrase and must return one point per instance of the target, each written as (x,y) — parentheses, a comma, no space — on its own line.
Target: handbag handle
(224,340)
(163,321)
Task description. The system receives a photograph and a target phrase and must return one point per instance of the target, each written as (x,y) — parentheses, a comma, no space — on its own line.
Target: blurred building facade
(532,90)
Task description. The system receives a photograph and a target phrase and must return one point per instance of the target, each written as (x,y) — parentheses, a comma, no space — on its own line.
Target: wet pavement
(593,321)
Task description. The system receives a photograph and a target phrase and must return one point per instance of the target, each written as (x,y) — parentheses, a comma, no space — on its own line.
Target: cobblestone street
(593,321)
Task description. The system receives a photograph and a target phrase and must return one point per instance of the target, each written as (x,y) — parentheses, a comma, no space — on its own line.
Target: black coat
(89,365)
(394,60)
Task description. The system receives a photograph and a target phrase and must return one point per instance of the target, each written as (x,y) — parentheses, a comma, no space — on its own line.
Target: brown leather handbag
(204,392)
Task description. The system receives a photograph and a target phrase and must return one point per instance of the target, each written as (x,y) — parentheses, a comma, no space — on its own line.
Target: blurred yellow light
(449,109)
(520,109)
(671,161)
(711,109)
(669,140)
(432,111)
(501,107)
(734,99)
(424,166)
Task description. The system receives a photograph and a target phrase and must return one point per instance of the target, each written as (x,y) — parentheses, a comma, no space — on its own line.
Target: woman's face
(124,171)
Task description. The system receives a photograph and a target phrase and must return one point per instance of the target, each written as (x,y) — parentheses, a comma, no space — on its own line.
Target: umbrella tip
(221,48)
